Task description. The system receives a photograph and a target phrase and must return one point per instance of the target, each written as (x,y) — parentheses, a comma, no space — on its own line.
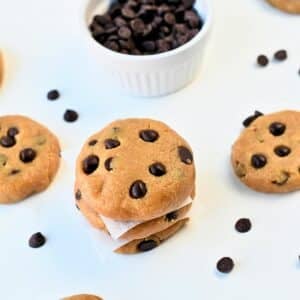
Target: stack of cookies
(135,179)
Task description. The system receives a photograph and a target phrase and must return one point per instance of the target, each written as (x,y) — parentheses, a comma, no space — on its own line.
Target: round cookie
(135,169)
(266,155)
(29,158)
(145,229)
(290,6)
(83,297)
(151,242)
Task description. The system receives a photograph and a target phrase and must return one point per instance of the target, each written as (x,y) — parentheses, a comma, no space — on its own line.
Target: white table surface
(43,51)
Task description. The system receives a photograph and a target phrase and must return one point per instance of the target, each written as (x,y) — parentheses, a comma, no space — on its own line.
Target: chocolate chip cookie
(151,242)
(83,297)
(145,229)
(29,158)
(266,155)
(135,169)
(290,6)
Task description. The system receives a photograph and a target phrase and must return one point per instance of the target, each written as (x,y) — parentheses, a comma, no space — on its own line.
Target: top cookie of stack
(135,170)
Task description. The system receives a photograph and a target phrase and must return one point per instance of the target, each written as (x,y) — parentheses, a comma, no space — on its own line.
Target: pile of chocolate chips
(142,27)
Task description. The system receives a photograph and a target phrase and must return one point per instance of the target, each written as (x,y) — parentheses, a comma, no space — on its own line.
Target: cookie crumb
(37,240)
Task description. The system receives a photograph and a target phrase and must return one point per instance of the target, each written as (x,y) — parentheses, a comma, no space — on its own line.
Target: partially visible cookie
(29,158)
(153,241)
(266,156)
(145,229)
(83,297)
(135,169)
(290,6)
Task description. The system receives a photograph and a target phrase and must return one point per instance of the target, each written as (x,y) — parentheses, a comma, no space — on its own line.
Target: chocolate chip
(192,19)
(70,115)
(93,142)
(277,128)
(13,131)
(280,55)
(258,161)
(77,206)
(243,225)
(225,265)
(108,164)
(102,19)
(124,32)
(157,169)
(137,25)
(169,18)
(262,60)
(188,3)
(247,122)
(90,164)
(27,155)
(282,151)
(138,189)
(149,135)
(7,141)
(37,240)
(147,245)
(78,195)
(111,143)
(15,171)
(185,155)
(172,216)
(128,13)
(53,95)
(148,46)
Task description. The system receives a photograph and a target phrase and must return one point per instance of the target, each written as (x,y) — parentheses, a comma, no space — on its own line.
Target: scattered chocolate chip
(149,135)
(27,155)
(280,55)
(225,265)
(243,225)
(258,161)
(157,169)
(93,142)
(53,95)
(7,141)
(108,164)
(37,240)
(262,60)
(70,115)
(78,195)
(90,164)
(111,143)
(172,216)
(138,189)
(277,128)
(13,131)
(247,122)
(185,155)
(282,151)
(147,245)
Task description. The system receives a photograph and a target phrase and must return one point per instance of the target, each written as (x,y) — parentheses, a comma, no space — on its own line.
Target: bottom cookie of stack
(144,236)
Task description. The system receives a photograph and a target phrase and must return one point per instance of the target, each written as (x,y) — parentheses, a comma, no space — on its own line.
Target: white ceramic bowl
(149,75)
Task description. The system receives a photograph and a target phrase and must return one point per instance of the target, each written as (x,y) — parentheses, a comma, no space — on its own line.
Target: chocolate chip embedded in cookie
(83,297)
(29,158)
(290,6)
(265,156)
(135,169)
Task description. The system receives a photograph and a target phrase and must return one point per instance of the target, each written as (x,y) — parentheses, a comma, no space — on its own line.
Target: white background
(44,50)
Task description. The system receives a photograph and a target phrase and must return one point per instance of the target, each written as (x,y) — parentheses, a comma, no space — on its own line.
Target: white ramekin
(149,75)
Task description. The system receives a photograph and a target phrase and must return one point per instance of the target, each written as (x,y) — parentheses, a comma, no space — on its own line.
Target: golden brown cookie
(153,241)
(290,6)
(135,169)
(83,297)
(29,158)
(266,156)
(145,229)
